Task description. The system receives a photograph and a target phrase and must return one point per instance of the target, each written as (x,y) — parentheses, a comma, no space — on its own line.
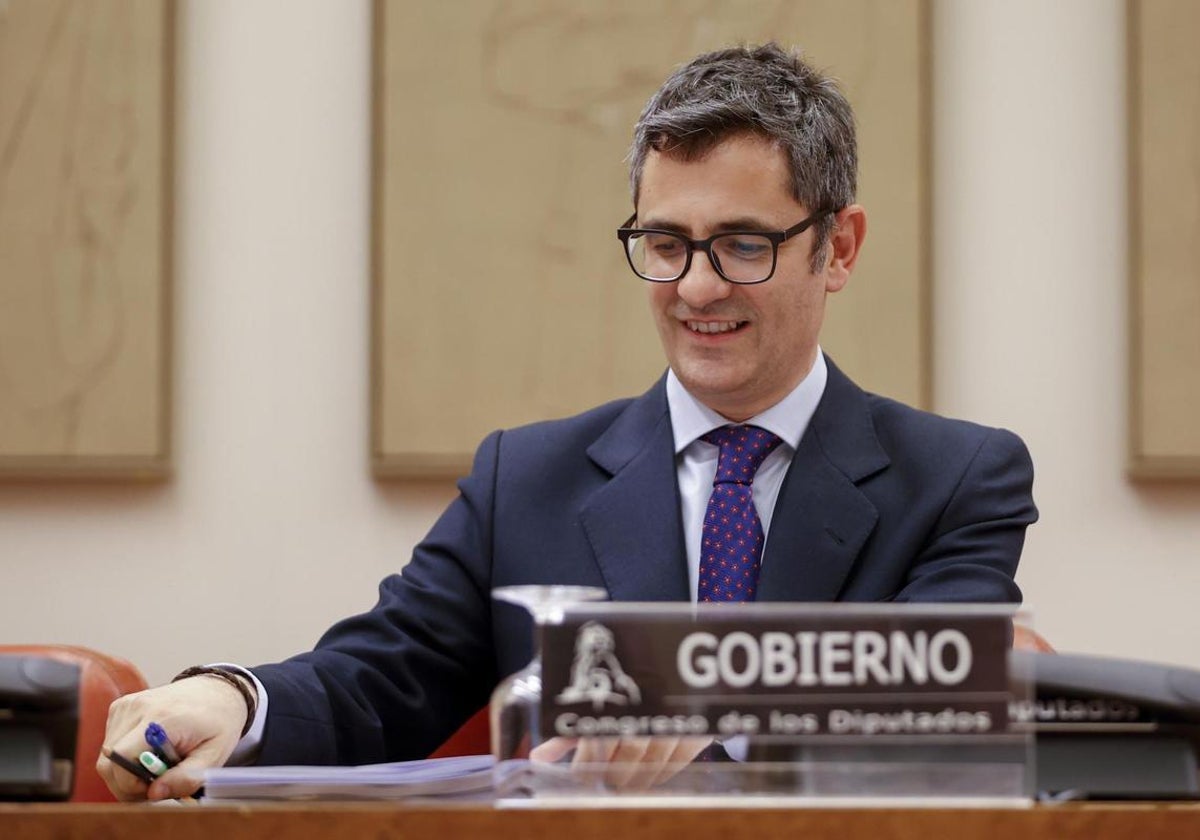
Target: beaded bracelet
(247,693)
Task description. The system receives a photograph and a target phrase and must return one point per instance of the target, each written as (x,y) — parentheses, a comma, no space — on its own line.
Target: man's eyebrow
(742,223)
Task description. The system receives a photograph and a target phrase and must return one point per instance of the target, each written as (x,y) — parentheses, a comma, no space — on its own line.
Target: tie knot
(743,449)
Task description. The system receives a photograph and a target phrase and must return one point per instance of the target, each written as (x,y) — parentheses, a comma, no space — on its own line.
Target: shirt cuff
(736,747)
(247,748)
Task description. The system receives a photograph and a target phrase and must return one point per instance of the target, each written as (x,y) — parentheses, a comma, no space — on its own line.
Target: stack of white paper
(458,777)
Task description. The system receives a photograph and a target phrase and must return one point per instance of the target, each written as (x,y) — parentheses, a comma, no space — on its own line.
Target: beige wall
(1031,241)
(272,527)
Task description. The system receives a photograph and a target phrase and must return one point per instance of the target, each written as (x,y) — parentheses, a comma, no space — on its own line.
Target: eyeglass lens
(740,257)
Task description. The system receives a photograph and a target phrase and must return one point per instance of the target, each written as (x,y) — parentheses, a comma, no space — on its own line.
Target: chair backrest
(472,738)
(102,679)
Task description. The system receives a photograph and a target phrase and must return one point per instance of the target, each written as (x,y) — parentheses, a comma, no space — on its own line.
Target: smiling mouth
(715,327)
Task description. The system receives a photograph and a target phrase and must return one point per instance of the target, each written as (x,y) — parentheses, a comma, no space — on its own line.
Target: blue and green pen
(164,755)
(153,763)
(157,738)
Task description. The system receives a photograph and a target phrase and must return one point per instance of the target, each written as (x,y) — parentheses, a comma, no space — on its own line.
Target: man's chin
(722,393)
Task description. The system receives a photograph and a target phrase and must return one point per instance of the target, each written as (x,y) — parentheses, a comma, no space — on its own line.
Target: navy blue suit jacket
(881,503)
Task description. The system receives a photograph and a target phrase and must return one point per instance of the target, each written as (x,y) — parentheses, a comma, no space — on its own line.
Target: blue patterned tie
(731,546)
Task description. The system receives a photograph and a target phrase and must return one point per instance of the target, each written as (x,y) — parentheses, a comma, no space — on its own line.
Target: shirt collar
(788,418)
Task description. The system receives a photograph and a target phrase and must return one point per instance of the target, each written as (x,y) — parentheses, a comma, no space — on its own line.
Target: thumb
(186,777)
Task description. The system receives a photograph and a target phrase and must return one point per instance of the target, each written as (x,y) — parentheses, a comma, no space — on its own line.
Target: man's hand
(202,716)
(629,764)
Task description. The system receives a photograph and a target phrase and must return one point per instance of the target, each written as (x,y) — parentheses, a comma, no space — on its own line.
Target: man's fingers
(638,761)
(120,736)
(640,773)
(123,784)
(553,750)
(177,783)
(188,775)
(591,758)
(634,763)
(591,751)
(685,752)
(624,761)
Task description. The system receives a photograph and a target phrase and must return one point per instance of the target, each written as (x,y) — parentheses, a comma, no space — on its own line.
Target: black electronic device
(39,721)
(1110,728)
(1102,728)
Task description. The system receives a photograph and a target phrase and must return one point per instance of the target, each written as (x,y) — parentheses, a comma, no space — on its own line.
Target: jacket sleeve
(973,549)
(396,681)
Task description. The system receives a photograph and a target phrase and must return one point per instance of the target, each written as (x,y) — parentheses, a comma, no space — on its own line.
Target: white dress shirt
(696,461)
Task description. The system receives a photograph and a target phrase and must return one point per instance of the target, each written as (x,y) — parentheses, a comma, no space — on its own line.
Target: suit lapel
(821,519)
(633,521)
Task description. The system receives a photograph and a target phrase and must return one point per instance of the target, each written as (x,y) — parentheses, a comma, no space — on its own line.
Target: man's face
(738,349)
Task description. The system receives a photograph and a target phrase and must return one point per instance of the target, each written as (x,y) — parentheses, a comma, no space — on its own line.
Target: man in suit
(754,469)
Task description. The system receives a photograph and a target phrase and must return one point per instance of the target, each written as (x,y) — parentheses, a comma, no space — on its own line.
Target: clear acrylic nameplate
(772,703)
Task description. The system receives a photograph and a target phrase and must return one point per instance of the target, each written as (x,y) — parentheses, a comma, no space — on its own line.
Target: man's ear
(845,244)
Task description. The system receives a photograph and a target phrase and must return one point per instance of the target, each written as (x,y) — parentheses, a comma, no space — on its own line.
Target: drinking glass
(516,705)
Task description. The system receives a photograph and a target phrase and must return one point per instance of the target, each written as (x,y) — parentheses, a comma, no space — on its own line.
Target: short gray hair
(768,91)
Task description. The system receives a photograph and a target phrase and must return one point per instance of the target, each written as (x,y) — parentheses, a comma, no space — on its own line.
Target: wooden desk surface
(1148,821)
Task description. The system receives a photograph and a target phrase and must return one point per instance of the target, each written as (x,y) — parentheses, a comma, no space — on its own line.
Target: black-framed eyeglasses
(745,257)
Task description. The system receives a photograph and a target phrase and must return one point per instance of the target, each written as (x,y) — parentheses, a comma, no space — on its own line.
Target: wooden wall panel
(85,92)
(1165,221)
(500,292)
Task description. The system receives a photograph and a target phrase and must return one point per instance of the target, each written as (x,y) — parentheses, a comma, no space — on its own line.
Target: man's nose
(702,284)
